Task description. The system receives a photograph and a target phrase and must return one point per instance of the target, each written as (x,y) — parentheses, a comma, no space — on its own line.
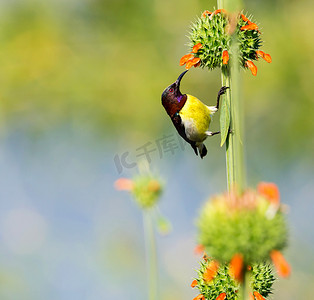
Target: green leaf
(224,119)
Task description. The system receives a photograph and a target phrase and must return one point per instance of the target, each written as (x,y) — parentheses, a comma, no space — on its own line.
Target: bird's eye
(171,90)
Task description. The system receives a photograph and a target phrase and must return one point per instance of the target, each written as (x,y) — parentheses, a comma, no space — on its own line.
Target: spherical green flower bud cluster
(221,281)
(249,42)
(146,190)
(262,279)
(248,224)
(210,32)
(214,30)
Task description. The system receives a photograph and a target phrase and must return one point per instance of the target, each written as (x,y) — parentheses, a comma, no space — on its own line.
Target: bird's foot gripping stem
(209,133)
(221,92)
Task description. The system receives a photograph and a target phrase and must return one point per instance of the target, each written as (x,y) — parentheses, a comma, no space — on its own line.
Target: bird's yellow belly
(196,119)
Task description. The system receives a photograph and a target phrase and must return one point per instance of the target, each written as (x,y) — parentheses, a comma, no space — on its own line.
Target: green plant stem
(151,254)
(231,78)
(220,3)
(234,142)
(244,293)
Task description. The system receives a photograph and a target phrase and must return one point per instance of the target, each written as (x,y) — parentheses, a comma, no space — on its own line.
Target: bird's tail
(199,148)
(202,150)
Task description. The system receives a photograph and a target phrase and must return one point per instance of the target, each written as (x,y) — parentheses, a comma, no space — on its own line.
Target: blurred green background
(80,86)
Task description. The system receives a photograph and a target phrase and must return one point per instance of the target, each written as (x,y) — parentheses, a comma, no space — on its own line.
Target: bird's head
(172,98)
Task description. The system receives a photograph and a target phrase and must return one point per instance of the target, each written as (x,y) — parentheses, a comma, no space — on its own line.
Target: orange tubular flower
(267,57)
(185,58)
(260,53)
(194,283)
(199,297)
(270,191)
(244,18)
(211,271)
(222,296)
(225,57)
(264,55)
(124,184)
(236,267)
(192,62)
(206,13)
(199,249)
(252,67)
(251,26)
(221,10)
(258,296)
(197,47)
(281,265)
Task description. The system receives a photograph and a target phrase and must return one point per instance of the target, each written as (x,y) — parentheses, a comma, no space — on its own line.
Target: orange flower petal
(252,67)
(206,13)
(192,62)
(260,53)
(211,271)
(264,55)
(267,57)
(197,47)
(225,57)
(244,18)
(124,184)
(270,191)
(236,267)
(185,58)
(195,60)
(281,265)
(199,297)
(251,297)
(222,296)
(189,65)
(251,26)
(221,10)
(258,296)
(194,283)
(199,249)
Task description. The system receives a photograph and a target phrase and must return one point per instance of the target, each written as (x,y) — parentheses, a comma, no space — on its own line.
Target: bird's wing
(177,122)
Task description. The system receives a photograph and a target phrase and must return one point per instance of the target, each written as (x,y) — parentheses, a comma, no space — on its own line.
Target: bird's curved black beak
(178,82)
(180,77)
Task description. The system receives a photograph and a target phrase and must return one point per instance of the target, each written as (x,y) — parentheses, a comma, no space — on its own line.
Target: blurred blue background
(80,87)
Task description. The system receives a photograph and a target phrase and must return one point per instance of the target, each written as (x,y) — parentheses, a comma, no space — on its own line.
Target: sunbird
(190,116)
